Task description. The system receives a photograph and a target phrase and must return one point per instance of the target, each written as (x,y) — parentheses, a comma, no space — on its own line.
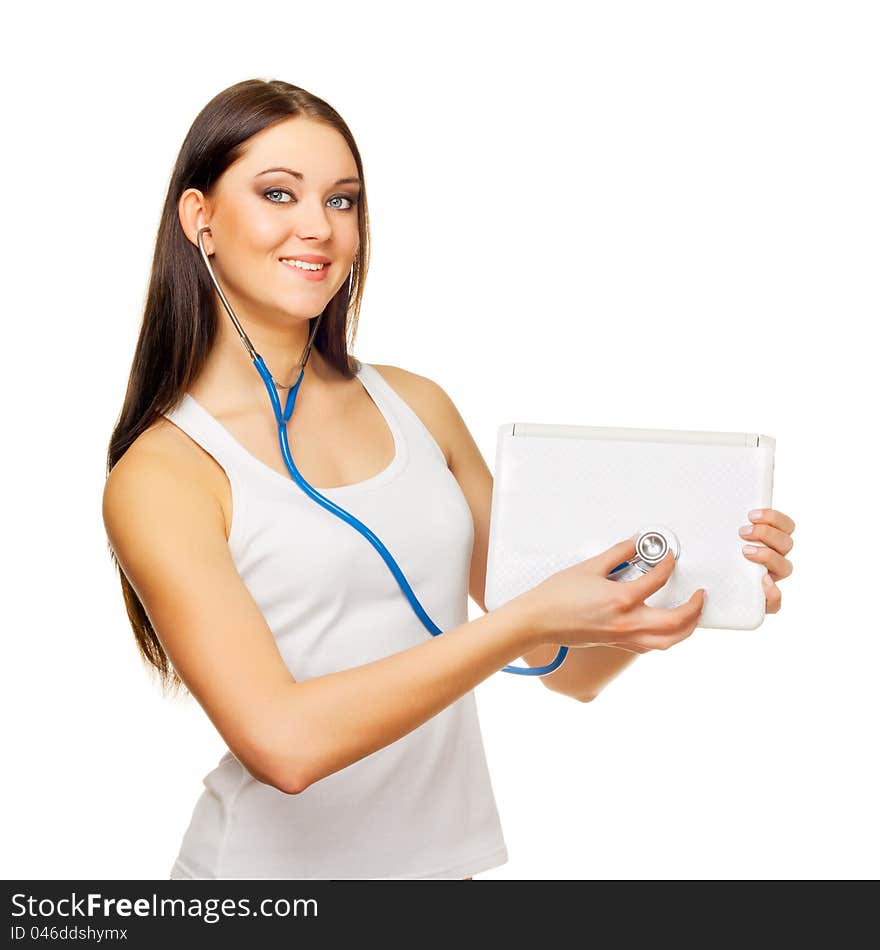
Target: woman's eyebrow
(290,171)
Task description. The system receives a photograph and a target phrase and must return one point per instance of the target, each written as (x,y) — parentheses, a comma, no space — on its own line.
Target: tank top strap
(391,404)
(204,429)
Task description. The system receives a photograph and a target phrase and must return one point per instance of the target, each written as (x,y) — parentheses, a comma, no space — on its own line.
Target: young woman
(354,747)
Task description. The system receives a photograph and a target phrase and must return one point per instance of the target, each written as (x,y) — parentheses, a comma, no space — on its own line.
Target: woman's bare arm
(585,672)
(168,534)
(341,717)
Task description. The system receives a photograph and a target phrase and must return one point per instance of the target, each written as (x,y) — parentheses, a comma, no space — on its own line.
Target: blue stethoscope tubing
(283,417)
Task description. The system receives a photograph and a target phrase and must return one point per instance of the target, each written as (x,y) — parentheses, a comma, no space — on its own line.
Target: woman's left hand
(774,529)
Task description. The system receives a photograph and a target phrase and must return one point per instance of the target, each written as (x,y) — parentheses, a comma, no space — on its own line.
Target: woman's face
(258,217)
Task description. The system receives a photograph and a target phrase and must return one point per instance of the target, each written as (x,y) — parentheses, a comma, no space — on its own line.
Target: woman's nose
(312,220)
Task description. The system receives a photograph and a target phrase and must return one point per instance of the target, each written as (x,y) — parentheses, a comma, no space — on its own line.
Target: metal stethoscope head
(254,355)
(652,545)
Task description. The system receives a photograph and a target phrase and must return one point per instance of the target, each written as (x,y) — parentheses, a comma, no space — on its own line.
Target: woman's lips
(307,274)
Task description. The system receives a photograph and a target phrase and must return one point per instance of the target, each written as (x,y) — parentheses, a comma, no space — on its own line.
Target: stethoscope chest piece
(652,545)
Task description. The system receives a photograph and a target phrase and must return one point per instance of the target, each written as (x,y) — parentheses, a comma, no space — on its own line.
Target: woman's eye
(277,191)
(352,202)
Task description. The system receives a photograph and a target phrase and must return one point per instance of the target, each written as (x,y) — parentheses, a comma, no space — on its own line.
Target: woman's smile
(306,271)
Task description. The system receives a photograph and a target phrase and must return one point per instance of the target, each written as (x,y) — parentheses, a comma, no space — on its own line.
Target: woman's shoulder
(162,442)
(409,384)
(165,452)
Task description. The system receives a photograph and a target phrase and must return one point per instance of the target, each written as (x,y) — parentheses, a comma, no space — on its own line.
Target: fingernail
(745,530)
(749,549)
(705,594)
(756,514)
(767,580)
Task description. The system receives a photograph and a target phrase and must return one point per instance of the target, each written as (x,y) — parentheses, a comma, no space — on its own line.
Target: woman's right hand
(580,607)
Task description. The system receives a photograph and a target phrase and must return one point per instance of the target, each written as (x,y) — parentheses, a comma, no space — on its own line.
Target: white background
(564,199)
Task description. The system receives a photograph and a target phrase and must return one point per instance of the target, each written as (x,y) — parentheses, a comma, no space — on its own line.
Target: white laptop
(565,493)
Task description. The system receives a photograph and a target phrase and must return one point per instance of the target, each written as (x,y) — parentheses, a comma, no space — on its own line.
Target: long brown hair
(179,319)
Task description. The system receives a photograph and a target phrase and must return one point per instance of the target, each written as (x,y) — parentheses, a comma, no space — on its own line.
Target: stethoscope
(282,417)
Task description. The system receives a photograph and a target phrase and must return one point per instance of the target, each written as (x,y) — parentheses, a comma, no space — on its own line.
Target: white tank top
(421,807)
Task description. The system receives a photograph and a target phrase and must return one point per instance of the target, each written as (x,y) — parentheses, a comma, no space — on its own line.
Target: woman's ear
(192,213)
